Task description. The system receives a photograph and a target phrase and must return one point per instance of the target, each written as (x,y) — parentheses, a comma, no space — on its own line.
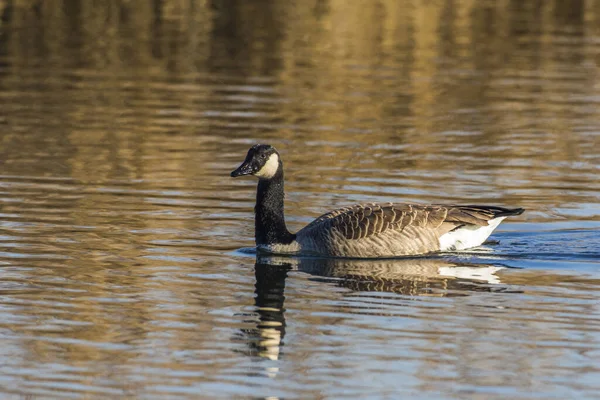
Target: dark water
(123,272)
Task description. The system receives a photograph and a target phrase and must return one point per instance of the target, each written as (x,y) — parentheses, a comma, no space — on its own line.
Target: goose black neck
(269,223)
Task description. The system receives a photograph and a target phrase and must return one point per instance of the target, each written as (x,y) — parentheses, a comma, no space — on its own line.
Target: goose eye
(262,156)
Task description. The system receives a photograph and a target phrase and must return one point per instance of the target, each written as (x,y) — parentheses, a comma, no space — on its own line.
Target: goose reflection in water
(410,276)
(266,339)
(413,277)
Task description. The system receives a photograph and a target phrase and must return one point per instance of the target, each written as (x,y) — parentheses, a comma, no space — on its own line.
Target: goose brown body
(372,230)
(392,229)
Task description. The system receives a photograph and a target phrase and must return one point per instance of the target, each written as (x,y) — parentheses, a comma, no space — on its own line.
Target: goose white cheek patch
(270,168)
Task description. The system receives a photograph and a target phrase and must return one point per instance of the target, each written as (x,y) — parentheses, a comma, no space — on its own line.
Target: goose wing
(366,220)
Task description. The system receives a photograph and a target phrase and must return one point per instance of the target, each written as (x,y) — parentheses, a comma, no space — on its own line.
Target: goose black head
(261,161)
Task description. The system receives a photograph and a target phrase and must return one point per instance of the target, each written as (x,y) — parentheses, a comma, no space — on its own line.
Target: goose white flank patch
(372,230)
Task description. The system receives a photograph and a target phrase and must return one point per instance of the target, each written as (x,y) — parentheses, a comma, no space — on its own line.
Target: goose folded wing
(365,220)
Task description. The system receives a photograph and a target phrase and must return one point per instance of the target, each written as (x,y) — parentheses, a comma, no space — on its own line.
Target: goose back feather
(390,229)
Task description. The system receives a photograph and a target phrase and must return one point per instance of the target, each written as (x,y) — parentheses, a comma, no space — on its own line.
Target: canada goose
(364,230)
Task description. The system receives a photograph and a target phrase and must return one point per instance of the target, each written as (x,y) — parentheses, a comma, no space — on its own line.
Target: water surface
(123,272)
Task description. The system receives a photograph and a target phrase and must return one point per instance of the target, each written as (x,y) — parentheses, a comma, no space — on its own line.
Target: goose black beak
(244,169)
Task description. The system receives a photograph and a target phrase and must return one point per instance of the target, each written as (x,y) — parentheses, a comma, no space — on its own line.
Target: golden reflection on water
(489,100)
(120,121)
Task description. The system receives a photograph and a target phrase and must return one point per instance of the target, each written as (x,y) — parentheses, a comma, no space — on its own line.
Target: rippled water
(126,268)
